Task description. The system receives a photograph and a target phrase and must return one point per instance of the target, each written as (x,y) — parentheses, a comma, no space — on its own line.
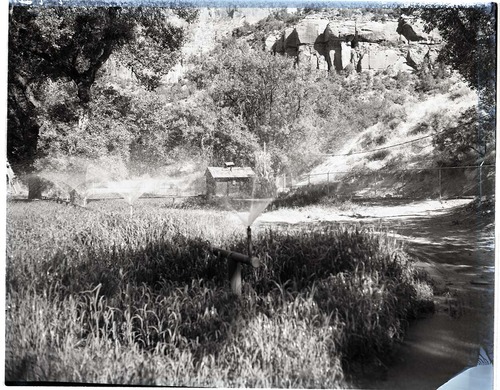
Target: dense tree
(473,133)
(72,44)
(108,129)
(138,130)
(469,34)
(265,92)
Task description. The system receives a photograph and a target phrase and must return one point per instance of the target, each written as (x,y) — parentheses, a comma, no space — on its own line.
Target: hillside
(386,46)
(285,92)
(400,77)
(416,117)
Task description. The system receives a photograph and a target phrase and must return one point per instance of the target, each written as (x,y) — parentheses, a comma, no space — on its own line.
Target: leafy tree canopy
(72,44)
(470,40)
(469,34)
(264,91)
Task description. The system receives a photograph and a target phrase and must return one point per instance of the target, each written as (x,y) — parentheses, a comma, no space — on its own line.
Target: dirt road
(454,242)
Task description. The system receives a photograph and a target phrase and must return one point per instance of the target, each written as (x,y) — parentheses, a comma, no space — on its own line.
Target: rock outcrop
(353,46)
(406,30)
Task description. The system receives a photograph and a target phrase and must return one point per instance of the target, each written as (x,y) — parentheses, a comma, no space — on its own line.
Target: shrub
(420,128)
(380,140)
(303,196)
(379,155)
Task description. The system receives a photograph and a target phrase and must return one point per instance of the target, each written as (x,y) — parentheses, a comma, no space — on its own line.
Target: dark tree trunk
(22,127)
(84,80)
(84,92)
(84,83)
(35,187)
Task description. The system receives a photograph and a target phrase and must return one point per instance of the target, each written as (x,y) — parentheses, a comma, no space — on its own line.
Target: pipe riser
(234,270)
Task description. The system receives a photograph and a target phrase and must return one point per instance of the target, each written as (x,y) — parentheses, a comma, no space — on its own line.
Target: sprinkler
(256,206)
(132,190)
(78,198)
(249,241)
(235,260)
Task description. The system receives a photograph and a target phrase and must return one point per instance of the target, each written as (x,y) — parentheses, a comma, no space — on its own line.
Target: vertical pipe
(234,270)
(249,241)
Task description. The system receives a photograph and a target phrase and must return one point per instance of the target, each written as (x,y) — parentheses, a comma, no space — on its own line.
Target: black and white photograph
(249,194)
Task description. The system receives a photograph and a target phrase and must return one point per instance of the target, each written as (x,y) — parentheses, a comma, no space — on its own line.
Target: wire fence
(409,183)
(413,183)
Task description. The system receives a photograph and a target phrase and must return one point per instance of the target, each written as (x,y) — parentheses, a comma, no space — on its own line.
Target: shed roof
(230,173)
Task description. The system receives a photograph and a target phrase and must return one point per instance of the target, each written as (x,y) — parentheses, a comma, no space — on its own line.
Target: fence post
(480,181)
(308,179)
(440,181)
(328,183)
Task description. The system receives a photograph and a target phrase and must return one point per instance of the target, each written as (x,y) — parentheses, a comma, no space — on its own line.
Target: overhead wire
(383,147)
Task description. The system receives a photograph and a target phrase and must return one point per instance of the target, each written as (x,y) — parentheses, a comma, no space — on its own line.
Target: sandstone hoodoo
(323,44)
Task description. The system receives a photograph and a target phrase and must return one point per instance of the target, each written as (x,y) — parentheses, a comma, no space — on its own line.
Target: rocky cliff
(323,41)
(356,45)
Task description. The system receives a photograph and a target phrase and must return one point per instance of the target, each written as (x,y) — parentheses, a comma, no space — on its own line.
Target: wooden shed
(229,179)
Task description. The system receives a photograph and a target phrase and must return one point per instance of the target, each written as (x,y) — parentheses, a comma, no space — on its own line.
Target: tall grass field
(98,296)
